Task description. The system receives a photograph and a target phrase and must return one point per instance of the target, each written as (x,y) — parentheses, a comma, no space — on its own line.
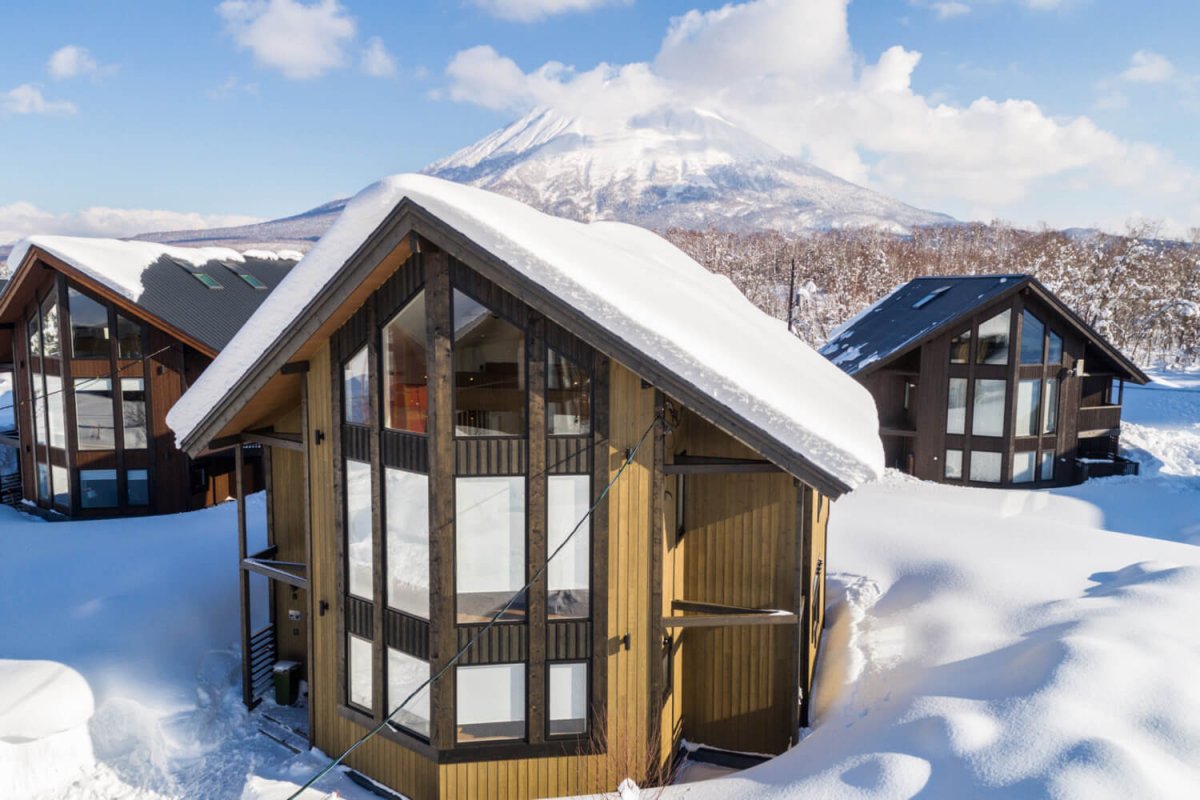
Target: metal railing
(262,661)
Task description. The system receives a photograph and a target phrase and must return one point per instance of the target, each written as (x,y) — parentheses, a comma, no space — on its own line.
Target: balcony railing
(1099,421)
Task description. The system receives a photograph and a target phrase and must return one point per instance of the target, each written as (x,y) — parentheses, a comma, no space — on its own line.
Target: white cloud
(73,61)
(28,99)
(950,10)
(21,219)
(301,40)
(377,61)
(1148,67)
(787,72)
(532,10)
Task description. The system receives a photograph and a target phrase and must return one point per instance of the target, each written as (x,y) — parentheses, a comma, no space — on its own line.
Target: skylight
(929,298)
(239,270)
(207,280)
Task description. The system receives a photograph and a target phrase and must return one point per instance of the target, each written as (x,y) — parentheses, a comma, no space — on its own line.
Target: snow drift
(44,742)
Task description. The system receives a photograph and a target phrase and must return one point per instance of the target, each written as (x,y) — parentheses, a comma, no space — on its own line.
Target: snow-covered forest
(1139,290)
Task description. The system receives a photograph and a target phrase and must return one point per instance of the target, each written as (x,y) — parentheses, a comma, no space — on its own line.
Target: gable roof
(160,281)
(623,289)
(917,311)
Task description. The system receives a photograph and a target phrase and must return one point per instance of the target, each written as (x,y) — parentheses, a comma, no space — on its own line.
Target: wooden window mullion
(536,520)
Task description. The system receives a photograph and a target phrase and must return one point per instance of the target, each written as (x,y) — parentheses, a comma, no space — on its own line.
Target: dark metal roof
(909,314)
(173,293)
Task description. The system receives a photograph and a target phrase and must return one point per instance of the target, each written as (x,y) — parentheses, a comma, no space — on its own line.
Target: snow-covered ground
(982,643)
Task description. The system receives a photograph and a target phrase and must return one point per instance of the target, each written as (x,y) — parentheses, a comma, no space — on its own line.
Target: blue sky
(172,114)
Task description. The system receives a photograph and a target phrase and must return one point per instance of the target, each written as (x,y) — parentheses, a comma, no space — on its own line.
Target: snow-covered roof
(632,283)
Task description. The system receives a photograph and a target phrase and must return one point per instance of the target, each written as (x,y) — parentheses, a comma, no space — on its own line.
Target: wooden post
(243,576)
(804,608)
(538,491)
(656,626)
(311,593)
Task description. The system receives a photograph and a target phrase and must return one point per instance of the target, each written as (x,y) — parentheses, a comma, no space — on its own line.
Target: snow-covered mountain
(676,167)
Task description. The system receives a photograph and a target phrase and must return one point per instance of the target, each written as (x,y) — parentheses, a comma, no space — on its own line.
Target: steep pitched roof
(161,281)
(916,311)
(623,289)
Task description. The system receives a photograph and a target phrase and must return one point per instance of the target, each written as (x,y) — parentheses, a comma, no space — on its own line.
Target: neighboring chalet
(447,386)
(988,380)
(104,336)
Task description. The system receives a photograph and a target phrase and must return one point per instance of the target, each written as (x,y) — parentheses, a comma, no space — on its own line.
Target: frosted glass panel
(993,339)
(491,702)
(567,577)
(490,547)
(985,467)
(1023,467)
(568,698)
(1029,395)
(956,407)
(407,501)
(954,464)
(405,674)
(990,398)
(358,665)
(359,559)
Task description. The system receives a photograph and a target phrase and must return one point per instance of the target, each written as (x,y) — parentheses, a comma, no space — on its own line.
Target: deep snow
(982,643)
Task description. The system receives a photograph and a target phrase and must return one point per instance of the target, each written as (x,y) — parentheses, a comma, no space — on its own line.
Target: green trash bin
(287,682)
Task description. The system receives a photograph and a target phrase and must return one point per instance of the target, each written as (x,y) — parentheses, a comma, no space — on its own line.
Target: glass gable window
(491,702)
(137,487)
(1029,396)
(358,672)
(129,338)
(985,466)
(489,372)
(1032,333)
(1050,418)
(993,339)
(407,499)
(956,407)
(568,575)
(1023,467)
(35,337)
(568,397)
(490,547)
(405,675)
(1054,349)
(954,464)
(89,326)
(960,348)
(568,699)
(1047,467)
(359,559)
(98,488)
(133,412)
(988,412)
(95,429)
(404,364)
(356,386)
(50,343)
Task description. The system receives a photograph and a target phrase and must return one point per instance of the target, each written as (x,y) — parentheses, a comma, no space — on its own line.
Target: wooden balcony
(1099,421)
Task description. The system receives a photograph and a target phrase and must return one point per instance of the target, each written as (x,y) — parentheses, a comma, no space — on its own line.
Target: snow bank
(632,282)
(44,741)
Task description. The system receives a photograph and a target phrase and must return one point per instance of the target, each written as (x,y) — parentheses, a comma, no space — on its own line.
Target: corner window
(1023,467)
(985,466)
(956,406)
(489,372)
(405,365)
(568,699)
(988,413)
(568,397)
(89,326)
(954,464)
(993,339)
(1028,401)
(1050,418)
(133,413)
(98,488)
(1032,334)
(137,487)
(94,427)
(358,672)
(356,386)
(960,348)
(407,500)
(568,575)
(405,675)
(359,540)
(491,702)
(489,547)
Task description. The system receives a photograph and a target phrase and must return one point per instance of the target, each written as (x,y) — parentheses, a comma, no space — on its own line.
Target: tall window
(39,408)
(89,326)
(1047,465)
(1032,334)
(129,338)
(94,426)
(359,540)
(359,672)
(568,577)
(1050,417)
(489,372)
(988,414)
(1054,349)
(956,408)
(568,397)
(1028,401)
(993,339)
(133,413)
(356,387)
(404,363)
(54,408)
(407,499)
(490,546)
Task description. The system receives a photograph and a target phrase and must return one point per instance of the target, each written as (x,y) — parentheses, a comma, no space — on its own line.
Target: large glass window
(1029,396)
(993,339)
(954,464)
(960,348)
(1032,333)
(39,408)
(98,488)
(407,498)
(359,541)
(358,669)
(137,487)
(1050,419)
(133,412)
(568,698)
(490,546)
(491,702)
(35,337)
(568,397)
(54,408)
(1024,467)
(356,386)
(956,407)
(404,364)
(62,485)
(89,326)
(94,414)
(988,413)
(1047,468)
(489,372)
(405,675)
(568,575)
(1054,349)
(985,466)
(129,338)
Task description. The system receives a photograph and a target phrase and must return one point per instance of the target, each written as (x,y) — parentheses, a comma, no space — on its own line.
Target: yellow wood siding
(287,533)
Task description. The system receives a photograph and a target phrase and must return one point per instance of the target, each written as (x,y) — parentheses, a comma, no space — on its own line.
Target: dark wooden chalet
(103,337)
(988,380)
(439,419)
